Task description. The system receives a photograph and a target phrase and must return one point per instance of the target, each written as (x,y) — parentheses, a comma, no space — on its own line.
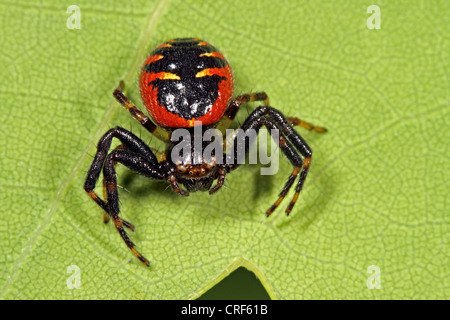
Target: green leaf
(376,195)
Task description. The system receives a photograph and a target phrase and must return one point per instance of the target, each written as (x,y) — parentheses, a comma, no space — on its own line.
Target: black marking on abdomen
(190,98)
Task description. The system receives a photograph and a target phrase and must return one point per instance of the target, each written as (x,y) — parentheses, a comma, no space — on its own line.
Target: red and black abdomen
(186,80)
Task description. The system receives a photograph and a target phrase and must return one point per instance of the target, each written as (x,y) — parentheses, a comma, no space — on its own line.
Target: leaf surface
(376,194)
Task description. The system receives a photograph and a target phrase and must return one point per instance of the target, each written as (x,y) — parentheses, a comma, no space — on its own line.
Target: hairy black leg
(137,114)
(137,163)
(134,154)
(106,214)
(290,142)
(234,105)
(130,142)
(278,118)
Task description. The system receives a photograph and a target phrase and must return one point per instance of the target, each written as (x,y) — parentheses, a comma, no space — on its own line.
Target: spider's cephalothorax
(194,170)
(186,83)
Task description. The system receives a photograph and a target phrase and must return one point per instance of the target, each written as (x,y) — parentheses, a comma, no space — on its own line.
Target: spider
(184,82)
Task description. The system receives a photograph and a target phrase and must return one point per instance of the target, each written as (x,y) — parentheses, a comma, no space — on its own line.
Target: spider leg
(137,163)
(137,114)
(298,122)
(226,122)
(134,154)
(234,105)
(106,215)
(298,142)
(289,141)
(130,142)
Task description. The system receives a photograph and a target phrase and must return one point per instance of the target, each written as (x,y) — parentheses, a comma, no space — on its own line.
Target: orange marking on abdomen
(154,58)
(213,54)
(167,76)
(208,72)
